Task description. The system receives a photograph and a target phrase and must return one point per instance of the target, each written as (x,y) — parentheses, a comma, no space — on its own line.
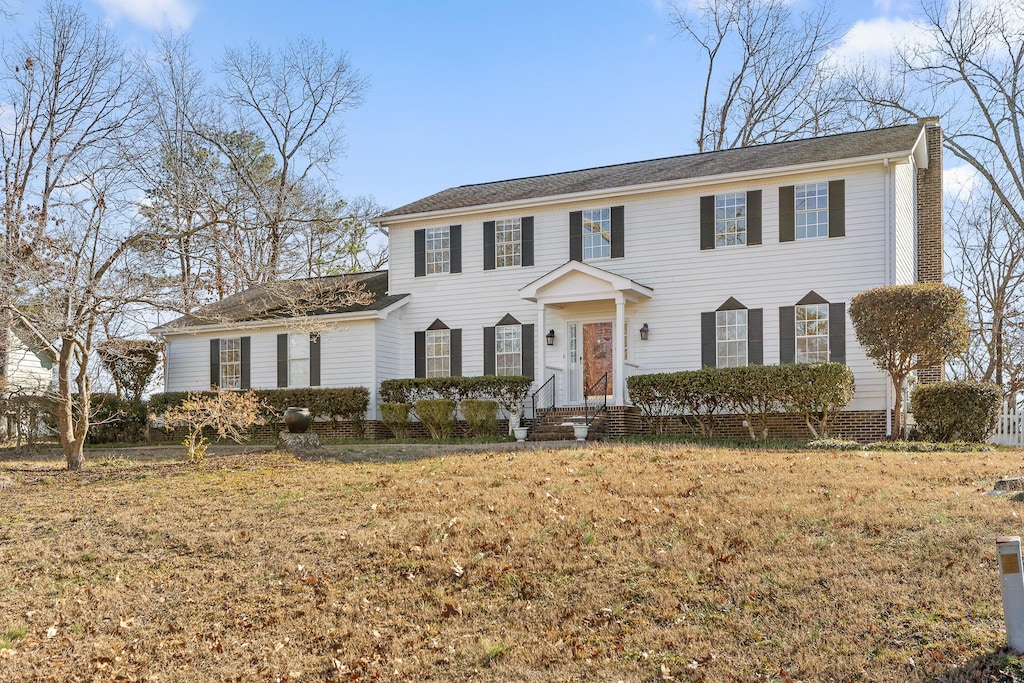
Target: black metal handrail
(543,400)
(601,383)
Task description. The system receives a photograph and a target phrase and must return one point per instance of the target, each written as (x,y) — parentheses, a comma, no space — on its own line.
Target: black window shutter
(420,249)
(787,335)
(707,223)
(755,336)
(314,359)
(455,348)
(575,235)
(526,226)
(618,231)
(214,363)
(246,383)
(282,360)
(837,208)
(837,333)
(489,350)
(455,248)
(787,213)
(708,348)
(420,355)
(528,352)
(488,245)
(754,217)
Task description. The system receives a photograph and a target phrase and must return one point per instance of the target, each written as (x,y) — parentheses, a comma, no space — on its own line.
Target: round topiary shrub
(956,411)
(395,417)
(438,416)
(481,416)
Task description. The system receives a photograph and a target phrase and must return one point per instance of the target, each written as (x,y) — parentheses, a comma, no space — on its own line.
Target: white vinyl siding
(731,338)
(597,234)
(438,353)
(508,243)
(730,219)
(812,333)
(438,250)
(508,350)
(905,181)
(811,210)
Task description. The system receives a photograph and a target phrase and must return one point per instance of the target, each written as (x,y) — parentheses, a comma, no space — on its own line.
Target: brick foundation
(864,426)
(347,429)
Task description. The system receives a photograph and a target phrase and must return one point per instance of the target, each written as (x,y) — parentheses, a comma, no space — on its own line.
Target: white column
(541,344)
(619,353)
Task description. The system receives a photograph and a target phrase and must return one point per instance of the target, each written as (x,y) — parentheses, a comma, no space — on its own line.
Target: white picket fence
(1010,428)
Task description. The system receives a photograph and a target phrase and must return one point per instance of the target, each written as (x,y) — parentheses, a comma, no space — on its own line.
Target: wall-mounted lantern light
(550,337)
(644,331)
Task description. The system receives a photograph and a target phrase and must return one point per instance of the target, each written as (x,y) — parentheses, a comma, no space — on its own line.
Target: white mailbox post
(1011,576)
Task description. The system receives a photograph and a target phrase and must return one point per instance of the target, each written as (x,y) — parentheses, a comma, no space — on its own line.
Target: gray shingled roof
(794,152)
(290,298)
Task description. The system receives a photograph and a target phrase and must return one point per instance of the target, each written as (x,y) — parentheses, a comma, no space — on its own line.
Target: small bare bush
(227,412)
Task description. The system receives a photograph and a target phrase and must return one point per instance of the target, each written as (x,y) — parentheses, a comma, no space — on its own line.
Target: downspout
(890,240)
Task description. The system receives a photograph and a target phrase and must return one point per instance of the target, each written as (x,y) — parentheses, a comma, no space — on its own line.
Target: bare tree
(766,77)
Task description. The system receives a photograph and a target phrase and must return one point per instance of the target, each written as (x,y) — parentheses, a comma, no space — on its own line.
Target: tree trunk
(897,418)
(72,440)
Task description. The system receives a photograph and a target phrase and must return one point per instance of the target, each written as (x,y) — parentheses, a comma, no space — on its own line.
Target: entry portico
(575,284)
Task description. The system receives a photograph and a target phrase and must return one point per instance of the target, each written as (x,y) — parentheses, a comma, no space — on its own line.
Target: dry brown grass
(633,563)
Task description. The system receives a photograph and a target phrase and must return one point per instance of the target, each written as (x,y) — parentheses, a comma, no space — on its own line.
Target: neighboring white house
(740,256)
(28,368)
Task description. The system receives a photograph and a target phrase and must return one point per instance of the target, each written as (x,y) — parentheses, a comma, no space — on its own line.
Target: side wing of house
(29,369)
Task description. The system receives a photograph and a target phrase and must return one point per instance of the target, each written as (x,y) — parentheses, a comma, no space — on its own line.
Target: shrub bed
(481,416)
(956,411)
(815,391)
(347,403)
(438,415)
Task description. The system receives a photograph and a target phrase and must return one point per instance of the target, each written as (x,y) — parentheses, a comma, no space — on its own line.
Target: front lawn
(612,562)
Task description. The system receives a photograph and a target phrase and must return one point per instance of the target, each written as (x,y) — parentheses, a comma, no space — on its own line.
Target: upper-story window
(811,210)
(730,219)
(812,333)
(231,363)
(438,353)
(438,250)
(597,234)
(731,338)
(508,350)
(508,242)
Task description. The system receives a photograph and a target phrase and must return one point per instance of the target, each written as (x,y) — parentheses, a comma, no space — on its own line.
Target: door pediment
(576,281)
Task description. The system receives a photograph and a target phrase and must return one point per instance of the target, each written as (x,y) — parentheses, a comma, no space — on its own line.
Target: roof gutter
(650,188)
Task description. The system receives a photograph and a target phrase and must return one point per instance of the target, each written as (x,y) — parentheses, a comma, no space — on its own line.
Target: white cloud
(960,182)
(874,39)
(153,14)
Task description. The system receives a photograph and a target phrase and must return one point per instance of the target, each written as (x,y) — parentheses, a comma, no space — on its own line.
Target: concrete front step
(557,425)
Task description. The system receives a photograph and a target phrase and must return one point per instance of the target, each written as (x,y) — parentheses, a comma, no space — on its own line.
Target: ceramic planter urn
(297,420)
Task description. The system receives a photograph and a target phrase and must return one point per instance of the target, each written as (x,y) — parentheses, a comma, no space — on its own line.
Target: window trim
(797,336)
(726,219)
(743,339)
(798,212)
(516,243)
(498,353)
(225,342)
(430,346)
(430,265)
(604,235)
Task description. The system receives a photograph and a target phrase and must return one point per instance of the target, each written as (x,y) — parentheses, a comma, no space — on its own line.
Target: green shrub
(818,392)
(956,411)
(481,416)
(115,420)
(437,415)
(395,417)
(510,392)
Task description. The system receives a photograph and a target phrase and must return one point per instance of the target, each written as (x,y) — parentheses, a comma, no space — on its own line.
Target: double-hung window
(438,250)
(438,353)
(298,360)
(597,234)
(231,363)
(730,219)
(811,210)
(812,333)
(508,350)
(508,242)
(731,338)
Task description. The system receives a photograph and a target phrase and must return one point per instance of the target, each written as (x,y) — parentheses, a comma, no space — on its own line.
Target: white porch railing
(1010,427)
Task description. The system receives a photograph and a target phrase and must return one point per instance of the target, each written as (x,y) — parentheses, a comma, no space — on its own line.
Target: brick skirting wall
(346,429)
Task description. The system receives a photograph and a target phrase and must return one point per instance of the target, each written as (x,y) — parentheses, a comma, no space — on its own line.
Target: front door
(597,357)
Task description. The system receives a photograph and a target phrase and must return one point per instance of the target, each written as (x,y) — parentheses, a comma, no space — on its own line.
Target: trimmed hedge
(956,411)
(348,403)
(437,415)
(395,417)
(481,416)
(815,391)
(115,420)
(510,392)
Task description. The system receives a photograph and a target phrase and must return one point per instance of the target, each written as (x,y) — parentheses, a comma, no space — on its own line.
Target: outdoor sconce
(550,337)
(644,331)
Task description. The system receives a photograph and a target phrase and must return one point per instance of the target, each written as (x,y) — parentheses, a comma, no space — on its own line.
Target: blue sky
(467,92)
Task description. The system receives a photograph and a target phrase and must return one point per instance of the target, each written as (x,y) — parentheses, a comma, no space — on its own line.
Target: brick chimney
(929,206)
(929,222)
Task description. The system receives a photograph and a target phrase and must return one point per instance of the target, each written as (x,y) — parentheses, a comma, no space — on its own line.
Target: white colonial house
(27,369)
(583,278)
